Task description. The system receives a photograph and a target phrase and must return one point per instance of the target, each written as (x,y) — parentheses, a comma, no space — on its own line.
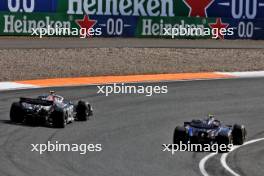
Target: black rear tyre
(16,113)
(58,118)
(83,111)
(239,134)
(180,135)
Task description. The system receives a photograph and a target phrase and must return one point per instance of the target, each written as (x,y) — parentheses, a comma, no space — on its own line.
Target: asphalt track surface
(132,129)
(56,43)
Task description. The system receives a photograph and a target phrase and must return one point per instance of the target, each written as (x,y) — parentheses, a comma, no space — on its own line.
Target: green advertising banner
(133,18)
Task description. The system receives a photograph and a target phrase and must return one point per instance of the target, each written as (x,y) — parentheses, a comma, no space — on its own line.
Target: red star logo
(198,7)
(86,23)
(219,25)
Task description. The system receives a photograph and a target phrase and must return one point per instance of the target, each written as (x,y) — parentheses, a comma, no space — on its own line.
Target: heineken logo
(162,8)
(12,24)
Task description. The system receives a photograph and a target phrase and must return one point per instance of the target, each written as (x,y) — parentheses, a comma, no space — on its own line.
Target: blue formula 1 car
(209,131)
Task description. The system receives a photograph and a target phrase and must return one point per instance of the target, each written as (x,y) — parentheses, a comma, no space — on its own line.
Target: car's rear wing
(36,101)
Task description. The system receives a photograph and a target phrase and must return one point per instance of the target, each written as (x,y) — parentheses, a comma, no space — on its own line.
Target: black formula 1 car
(209,131)
(49,109)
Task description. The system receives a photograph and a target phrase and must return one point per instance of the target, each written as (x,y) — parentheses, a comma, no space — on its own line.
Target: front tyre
(16,113)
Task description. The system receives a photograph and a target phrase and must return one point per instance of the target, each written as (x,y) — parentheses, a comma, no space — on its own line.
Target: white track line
(223,159)
(249,74)
(252,74)
(15,86)
(202,163)
(224,164)
(224,156)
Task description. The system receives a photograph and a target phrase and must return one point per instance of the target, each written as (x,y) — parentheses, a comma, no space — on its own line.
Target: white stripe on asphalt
(224,164)
(224,156)
(249,74)
(13,85)
(202,163)
(223,159)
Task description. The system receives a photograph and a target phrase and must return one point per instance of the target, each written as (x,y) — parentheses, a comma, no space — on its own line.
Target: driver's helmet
(210,119)
(51,96)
